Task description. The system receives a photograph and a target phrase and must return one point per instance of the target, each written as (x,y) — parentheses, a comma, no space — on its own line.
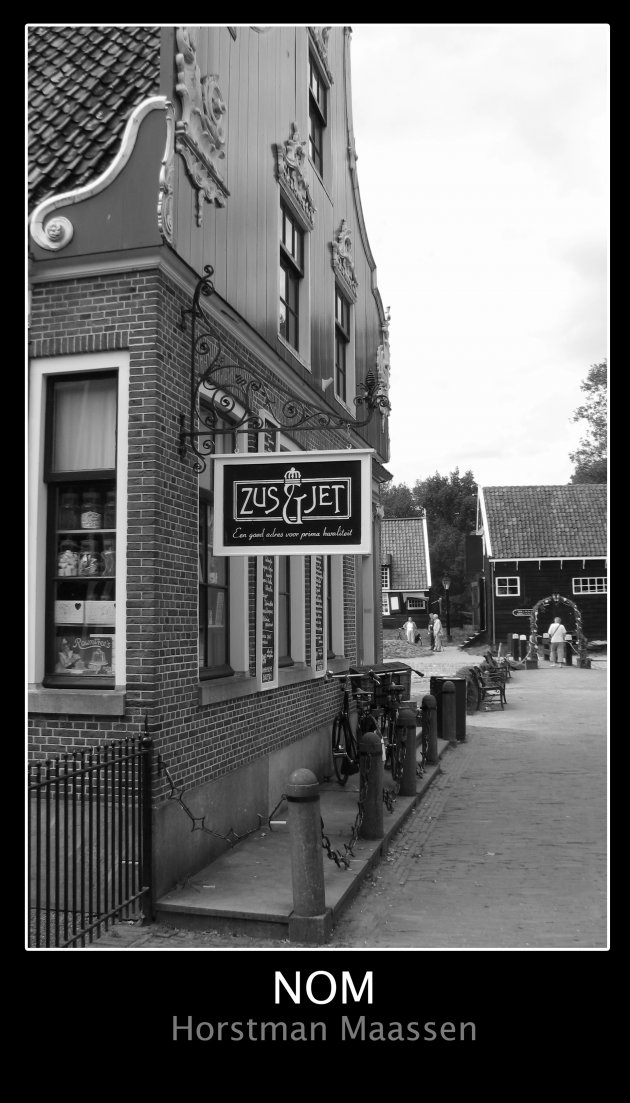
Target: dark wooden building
(539,549)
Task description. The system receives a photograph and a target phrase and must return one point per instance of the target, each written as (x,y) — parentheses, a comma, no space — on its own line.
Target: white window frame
(507,581)
(73,700)
(578,585)
(386,577)
(385,604)
(419,603)
(303,351)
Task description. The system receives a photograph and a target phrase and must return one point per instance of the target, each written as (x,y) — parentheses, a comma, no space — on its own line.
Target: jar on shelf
(109,557)
(90,562)
(69,513)
(91,515)
(109,513)
(68,557)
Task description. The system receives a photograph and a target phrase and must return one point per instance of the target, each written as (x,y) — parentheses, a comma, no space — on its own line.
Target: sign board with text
(293,503)
(521,612)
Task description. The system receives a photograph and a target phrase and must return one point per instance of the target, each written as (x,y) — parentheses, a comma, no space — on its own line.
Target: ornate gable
(291,158)
(342,261)
(199,134)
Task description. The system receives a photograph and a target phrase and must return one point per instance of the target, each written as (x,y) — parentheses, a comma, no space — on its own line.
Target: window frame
(590,591)
(291,267)
(507,580)
(342,343)
(317,114)
(224,428)
(55,481)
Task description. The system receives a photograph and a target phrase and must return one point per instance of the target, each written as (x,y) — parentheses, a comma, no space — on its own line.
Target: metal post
(546,642)
(515,646)
(449,719)
(148,906)
(429,709)
(311,920)
(371,762)
(406,729)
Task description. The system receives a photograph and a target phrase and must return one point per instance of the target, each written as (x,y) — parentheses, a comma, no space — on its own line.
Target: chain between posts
(198,822)
(336,855)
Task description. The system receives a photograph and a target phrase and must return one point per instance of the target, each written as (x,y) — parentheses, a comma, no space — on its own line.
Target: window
(416,603)
(214,579)
(386,578)
(329,608)
(316,115)
(508,587)
(590,585)
(283,582)
(80,470)
(342,340)
(385,605)
(291,272)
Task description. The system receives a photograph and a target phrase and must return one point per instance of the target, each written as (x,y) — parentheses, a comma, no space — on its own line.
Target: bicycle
(345,748)
(393,747)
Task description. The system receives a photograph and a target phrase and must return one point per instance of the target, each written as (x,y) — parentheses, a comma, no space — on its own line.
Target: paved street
(507,849)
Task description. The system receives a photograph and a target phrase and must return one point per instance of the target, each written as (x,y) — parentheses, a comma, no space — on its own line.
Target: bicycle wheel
(343,749)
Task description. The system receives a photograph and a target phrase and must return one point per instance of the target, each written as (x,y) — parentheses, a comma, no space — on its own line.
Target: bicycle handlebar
(329,676)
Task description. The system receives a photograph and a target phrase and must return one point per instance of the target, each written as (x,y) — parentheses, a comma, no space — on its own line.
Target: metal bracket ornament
(230,390)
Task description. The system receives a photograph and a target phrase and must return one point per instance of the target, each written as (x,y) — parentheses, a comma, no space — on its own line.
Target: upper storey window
(316,115)
(291,273)
(342,342)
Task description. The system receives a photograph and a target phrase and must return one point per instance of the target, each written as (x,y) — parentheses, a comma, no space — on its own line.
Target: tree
(591,456)
(450,503)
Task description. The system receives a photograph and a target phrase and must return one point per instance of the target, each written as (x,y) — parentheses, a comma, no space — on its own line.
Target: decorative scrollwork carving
(291,159)
(227,387)
(320,36)
(200,134)
(342,260)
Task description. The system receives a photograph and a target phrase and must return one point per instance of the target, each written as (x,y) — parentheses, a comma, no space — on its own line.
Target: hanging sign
(293,503)
(521,612)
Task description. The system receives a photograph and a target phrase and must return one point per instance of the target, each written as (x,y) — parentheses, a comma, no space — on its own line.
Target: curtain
(84,434)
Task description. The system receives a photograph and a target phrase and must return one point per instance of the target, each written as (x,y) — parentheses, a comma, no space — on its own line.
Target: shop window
(283,583)
(80,472)
(214,577)
(508,586)
(590,585)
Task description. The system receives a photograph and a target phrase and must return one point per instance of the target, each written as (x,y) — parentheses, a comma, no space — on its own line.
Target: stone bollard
(310,920)
(546,642)
(515,647)
(406,729)
(429,717)
(523,643)
(449,712)
(371,760)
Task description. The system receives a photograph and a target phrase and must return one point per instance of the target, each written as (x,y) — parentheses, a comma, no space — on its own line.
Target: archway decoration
(556,599)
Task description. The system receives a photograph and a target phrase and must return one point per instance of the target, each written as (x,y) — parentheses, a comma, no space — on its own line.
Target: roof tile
(527,522)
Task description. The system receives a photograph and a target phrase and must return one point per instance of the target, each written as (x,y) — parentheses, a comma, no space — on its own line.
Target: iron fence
(89,842)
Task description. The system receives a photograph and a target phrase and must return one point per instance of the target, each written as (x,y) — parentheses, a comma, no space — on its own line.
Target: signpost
(521,612)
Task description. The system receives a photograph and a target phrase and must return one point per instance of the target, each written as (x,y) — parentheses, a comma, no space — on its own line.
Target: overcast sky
(483,171)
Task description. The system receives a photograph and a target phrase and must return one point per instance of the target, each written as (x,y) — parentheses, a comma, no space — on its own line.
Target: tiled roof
(547,521)
(403,538)
(83,83)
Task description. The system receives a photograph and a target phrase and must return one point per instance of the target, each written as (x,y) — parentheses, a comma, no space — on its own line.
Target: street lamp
(446,582)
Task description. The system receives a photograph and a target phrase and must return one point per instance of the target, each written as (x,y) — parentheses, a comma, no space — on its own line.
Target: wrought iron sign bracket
(227,388)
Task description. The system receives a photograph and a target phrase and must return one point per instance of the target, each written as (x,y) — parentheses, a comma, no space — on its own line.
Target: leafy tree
(591,456)
(450,503)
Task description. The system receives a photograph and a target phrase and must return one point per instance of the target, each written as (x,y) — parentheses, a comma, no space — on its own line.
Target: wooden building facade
(542,549)
(216,160)
(405,571)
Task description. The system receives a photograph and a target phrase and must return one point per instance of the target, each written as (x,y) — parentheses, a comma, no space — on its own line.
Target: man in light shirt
(557,636)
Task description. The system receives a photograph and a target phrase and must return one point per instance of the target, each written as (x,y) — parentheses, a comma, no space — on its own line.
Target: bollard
(429,717)
(546,642)
(523,643)
(568,650)
(310,920)
(371,764)
(449,728)
(406,730)
(515,647)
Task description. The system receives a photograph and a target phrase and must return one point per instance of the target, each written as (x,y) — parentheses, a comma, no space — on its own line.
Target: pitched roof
(83,83)
(404,538)
(525,522)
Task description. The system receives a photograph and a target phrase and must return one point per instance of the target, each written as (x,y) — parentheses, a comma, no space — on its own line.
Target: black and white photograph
(317,325)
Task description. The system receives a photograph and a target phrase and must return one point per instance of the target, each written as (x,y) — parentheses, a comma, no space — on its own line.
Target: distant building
(405,570)
(539,549)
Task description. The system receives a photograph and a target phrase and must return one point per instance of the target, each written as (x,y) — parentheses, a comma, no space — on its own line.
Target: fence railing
(89,842)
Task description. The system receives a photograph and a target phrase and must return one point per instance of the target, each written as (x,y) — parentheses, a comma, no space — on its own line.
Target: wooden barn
(540,551)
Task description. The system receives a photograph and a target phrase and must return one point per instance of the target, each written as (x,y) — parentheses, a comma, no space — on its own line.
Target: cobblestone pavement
(507,849)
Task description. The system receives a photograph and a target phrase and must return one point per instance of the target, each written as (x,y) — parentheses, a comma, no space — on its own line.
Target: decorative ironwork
(230,390)
(539,607)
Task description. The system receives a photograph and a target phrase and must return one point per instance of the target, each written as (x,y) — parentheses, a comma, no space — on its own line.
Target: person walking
(431,636)
(437,632)
(410,628)
(557,636)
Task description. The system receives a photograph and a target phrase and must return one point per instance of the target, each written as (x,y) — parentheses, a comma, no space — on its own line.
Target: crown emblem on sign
(292,476)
